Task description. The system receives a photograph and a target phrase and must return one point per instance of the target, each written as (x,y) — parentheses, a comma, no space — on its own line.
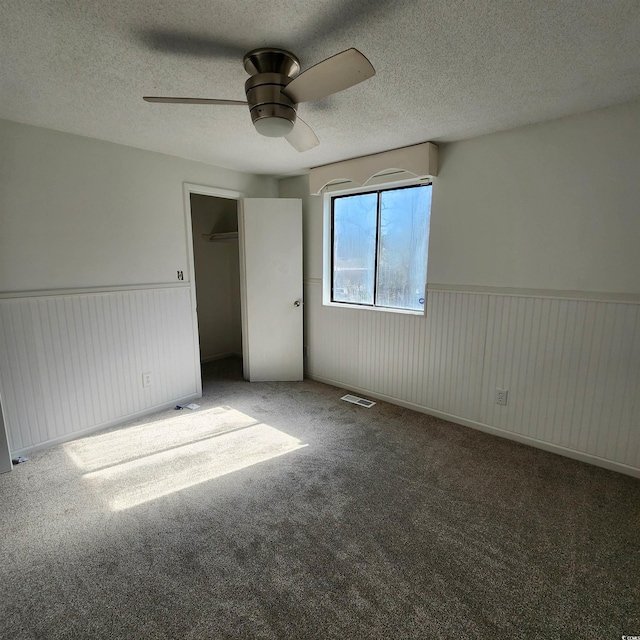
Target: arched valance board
(420,160)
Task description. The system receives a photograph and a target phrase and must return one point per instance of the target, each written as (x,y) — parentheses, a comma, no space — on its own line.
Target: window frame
(328,247)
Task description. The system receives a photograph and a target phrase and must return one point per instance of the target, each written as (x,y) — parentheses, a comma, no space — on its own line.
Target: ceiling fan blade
(193,100)
(334,74)
(302,137)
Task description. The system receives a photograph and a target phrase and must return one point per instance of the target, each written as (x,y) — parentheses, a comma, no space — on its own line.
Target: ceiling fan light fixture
(273,126)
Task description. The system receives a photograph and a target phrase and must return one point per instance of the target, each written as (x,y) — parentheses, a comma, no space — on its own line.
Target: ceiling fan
(276,87)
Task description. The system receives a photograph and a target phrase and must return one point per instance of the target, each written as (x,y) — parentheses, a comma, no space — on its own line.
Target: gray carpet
(279,511)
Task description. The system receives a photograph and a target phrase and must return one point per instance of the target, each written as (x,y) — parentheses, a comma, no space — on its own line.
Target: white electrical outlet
(501,396)
(147,379)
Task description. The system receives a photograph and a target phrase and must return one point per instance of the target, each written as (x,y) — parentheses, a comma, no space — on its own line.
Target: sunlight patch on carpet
(136,465)
(129,443)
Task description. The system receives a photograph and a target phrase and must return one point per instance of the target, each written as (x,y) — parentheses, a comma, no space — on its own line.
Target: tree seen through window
(380,244)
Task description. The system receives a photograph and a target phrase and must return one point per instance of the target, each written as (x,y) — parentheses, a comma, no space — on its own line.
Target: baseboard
(487,428)
(47,444)
(220,357)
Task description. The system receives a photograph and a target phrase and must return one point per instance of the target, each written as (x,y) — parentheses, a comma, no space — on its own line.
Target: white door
(5,456)
(271,284)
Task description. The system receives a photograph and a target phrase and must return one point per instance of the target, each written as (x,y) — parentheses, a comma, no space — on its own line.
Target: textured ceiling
(446,70)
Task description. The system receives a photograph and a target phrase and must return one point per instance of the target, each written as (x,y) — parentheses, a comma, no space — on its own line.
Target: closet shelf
(218,237)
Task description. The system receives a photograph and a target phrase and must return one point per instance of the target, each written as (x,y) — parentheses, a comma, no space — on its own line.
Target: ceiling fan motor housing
(272,112)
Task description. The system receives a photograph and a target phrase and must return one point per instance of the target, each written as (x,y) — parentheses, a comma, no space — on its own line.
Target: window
(379,243)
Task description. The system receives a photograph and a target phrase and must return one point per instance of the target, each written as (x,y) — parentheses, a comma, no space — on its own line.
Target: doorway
(268,246)
(5,455)
(216,261)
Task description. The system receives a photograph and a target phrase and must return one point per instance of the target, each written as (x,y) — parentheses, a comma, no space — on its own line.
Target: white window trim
(326,249)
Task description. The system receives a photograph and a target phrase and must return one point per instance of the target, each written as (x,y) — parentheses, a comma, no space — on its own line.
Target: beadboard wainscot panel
(571,365)
(331,335)
(433,361)
(73,363)
(572,370)
(456,328)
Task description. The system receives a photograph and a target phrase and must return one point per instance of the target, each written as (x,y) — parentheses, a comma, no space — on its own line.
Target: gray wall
(550,206)
(79,212)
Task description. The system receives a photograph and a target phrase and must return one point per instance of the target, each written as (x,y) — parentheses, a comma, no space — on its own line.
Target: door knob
(297,303)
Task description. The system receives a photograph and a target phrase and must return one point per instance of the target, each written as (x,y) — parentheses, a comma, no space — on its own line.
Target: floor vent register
(363,402)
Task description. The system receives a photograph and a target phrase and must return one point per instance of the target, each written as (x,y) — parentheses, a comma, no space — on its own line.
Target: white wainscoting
(73,363)
(572,367)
